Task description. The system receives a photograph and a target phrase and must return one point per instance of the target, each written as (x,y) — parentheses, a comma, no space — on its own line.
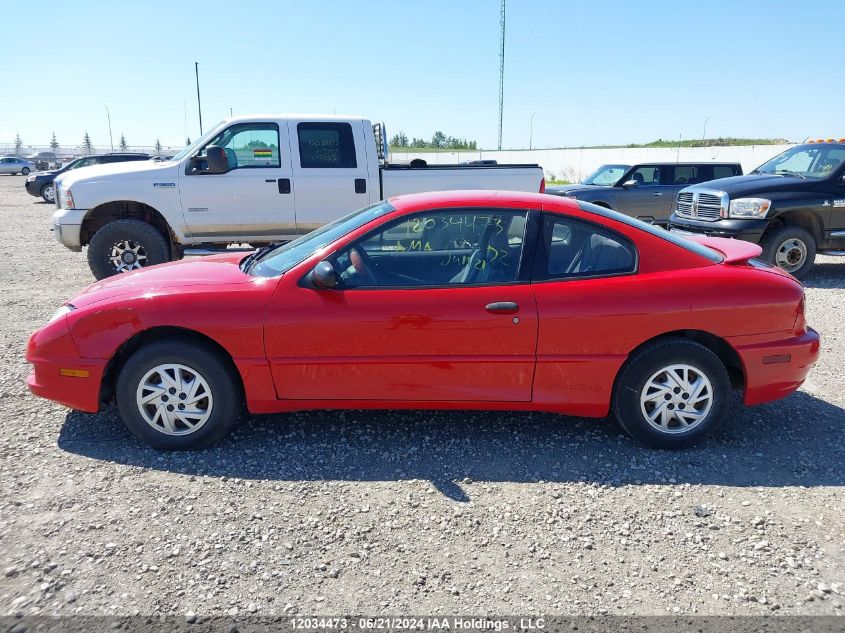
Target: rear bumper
(51,350)
(776,369)
(748,230)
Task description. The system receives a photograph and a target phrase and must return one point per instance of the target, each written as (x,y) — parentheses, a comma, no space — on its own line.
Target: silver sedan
(14,165)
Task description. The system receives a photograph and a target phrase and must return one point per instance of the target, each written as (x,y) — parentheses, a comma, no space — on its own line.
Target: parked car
(647,191)
(41,185)
(233,186)
(451,300)
(14,165)
(792,205)
(605,176)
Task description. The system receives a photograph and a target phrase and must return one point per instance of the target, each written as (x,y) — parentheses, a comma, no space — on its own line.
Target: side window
(442,248)
(725,171)
(646,175)
(687,175)
(574,249)
(326,145)
(247,146)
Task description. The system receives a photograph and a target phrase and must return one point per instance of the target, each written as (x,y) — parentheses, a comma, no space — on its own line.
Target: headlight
(30,178)
(65,198)
(749,207)
(58,314)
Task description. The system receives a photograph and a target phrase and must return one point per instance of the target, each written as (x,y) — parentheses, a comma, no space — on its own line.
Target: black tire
(44,189)
(638,370)
(226,393)
(784,243)
(25,171)
(152,244)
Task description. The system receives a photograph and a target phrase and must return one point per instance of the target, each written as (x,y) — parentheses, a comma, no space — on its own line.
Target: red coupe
(459,300)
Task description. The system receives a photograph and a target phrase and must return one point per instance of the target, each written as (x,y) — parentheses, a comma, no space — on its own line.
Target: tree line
(87,144)
(438,141)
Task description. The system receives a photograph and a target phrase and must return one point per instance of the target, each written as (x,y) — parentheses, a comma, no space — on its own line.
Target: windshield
(281,259)
(606,175)
(806,161)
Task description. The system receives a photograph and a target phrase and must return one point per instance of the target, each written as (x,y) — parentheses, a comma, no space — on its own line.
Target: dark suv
(647,191)
(792,205)
(40,184)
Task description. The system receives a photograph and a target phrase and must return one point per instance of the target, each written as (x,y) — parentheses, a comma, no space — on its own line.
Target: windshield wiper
(249,261)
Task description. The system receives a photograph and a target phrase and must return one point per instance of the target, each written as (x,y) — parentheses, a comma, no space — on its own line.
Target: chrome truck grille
(702,204)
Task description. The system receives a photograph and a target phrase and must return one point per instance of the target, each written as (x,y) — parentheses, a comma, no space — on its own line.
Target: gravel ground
(410,512)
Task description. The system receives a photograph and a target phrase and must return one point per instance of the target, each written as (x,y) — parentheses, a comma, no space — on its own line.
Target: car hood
(127,170)
(219,270)
(559,190)
(45,174)
(738,186)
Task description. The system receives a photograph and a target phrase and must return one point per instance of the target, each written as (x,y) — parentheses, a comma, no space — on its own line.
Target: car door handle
(284,185)
(502,307)
(656,194)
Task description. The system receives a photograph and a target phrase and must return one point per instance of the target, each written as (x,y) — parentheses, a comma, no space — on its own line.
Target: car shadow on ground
(826,275)
(799,441)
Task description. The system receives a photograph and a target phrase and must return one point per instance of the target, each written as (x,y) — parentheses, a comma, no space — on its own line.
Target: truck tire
(125,245)
(790,248)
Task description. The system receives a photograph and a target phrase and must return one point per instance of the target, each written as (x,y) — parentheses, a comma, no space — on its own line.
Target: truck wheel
(125,245)
(48,192)
(790,248)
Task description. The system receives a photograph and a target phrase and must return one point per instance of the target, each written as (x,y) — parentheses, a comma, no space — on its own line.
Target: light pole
(531,132)
(108,116)
(704,133)
(199,103)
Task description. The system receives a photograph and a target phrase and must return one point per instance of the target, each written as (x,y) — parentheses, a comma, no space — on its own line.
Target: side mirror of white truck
(216,160)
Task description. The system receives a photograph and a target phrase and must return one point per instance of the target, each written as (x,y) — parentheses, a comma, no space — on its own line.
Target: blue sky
(593,72)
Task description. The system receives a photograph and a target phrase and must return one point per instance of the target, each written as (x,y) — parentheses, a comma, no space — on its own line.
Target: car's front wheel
(48,192)
(671,394)
(178,395)
(122,246)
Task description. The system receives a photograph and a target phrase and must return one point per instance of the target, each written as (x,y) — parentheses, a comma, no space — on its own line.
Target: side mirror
(630,183)
(216,160)
(323,276)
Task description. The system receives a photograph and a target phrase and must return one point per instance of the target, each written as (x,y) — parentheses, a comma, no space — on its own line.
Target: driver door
(252,201)
(443,312)
(650,199)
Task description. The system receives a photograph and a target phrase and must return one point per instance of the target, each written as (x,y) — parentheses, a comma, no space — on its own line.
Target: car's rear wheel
(25,171)
(671,394)
(122,246)
(48,192)
(176,395)
(790,248)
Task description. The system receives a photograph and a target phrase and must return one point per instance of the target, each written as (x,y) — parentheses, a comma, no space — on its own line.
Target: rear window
(677,240)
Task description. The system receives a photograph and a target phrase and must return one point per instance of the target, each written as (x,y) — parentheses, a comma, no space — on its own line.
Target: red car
(458,300)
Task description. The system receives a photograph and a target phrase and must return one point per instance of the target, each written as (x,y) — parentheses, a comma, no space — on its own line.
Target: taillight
(542,185)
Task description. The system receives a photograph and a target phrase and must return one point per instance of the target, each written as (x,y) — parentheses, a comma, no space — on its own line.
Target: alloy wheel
(676,399)
(174,399)
(128,255)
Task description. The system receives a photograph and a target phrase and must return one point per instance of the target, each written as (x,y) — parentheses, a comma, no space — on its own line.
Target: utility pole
(531,132)
(111,141)
(199,103)
(501,71)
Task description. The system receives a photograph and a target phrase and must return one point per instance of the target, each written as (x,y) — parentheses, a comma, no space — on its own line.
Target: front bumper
(748,230)
(67,227)
(775,369)
(51,350)
(33,188)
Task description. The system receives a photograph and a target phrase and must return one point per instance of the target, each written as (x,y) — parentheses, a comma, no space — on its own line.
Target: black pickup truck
(792,205)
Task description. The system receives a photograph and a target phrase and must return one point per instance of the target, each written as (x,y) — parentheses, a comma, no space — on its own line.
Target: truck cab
(792,205)
(250,180)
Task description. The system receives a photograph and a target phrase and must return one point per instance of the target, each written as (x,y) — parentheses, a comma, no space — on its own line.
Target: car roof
(688,162)
(476,198)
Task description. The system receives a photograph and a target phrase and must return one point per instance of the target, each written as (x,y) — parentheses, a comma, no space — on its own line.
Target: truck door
(330,171)
(650,199)
(252,200)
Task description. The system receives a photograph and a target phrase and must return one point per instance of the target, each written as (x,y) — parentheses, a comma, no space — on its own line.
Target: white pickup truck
(250,180)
